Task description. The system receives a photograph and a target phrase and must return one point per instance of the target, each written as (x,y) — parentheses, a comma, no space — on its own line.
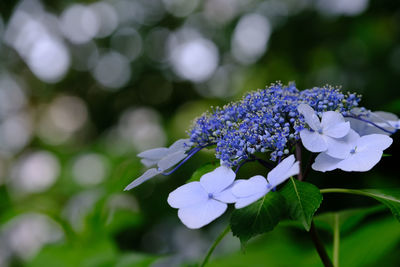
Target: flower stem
(214,245)
(298,157)
(319,246)
(336,240)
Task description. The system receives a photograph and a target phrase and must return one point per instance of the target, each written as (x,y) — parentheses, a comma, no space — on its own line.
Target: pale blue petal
(149,162)
(395,124)
(386,115)
(187,195)
(313,141)
(154,154)
(294,170)
(218,180)
(324,163)
(338,148)
(360,161)
(227,195)
(374,142)
(150,173)
(288,167)
(334,125)
(351,138)
(171,160)
(255,185)
(199,215)
(310,116)
(180,145)
(243,202)
(364,128)
(360,127)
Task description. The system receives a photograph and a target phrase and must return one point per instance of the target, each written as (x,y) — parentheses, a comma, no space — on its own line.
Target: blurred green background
(86,85)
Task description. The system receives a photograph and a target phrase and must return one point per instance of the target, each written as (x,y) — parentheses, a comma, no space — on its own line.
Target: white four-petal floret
(343,147)
(324,135)
(199,203)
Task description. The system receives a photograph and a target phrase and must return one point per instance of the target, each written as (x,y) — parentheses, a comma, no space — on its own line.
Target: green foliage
(389,197)
(96,254)
(369,244)
(348,219)
(373,244)
(259,217)
(303,199)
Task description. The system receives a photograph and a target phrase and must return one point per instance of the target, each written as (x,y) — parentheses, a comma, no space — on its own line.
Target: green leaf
(201,171)
(389,197)
(348,219)
(260,217)
(374,244)
(303,199)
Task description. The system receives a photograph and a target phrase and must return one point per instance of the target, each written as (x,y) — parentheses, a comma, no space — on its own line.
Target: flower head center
(320,131)
(210,195)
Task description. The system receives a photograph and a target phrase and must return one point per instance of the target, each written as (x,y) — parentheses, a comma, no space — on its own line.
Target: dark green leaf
(260,217)
(389,197)
(303,199)
(201,171)
(348,219)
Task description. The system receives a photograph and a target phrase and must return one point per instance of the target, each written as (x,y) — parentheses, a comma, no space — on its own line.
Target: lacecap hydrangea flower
(266,126)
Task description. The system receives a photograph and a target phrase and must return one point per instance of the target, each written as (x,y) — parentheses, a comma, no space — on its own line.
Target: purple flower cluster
(265,121)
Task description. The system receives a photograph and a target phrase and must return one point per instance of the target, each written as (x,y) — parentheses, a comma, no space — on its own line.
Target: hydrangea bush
(274,127)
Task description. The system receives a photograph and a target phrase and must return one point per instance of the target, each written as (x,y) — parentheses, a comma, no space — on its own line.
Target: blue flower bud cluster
(264,121)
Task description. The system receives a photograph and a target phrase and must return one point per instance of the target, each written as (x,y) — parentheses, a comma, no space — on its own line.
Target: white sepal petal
(150,173)
(227,195)
(255,185)
(187,195)
(310,116)
(386,115)
(360,161)
(149,162)
(338,148)
(244,202)
(180,145)
(313,141)
(324,163)
(288,167)
(374,142)
(154,154)
(334,125)
(171,160)
(218,180)
(199,215)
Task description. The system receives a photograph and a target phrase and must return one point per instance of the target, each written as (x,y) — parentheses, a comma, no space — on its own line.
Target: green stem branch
(345,191)
(214,245)
(336,240)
